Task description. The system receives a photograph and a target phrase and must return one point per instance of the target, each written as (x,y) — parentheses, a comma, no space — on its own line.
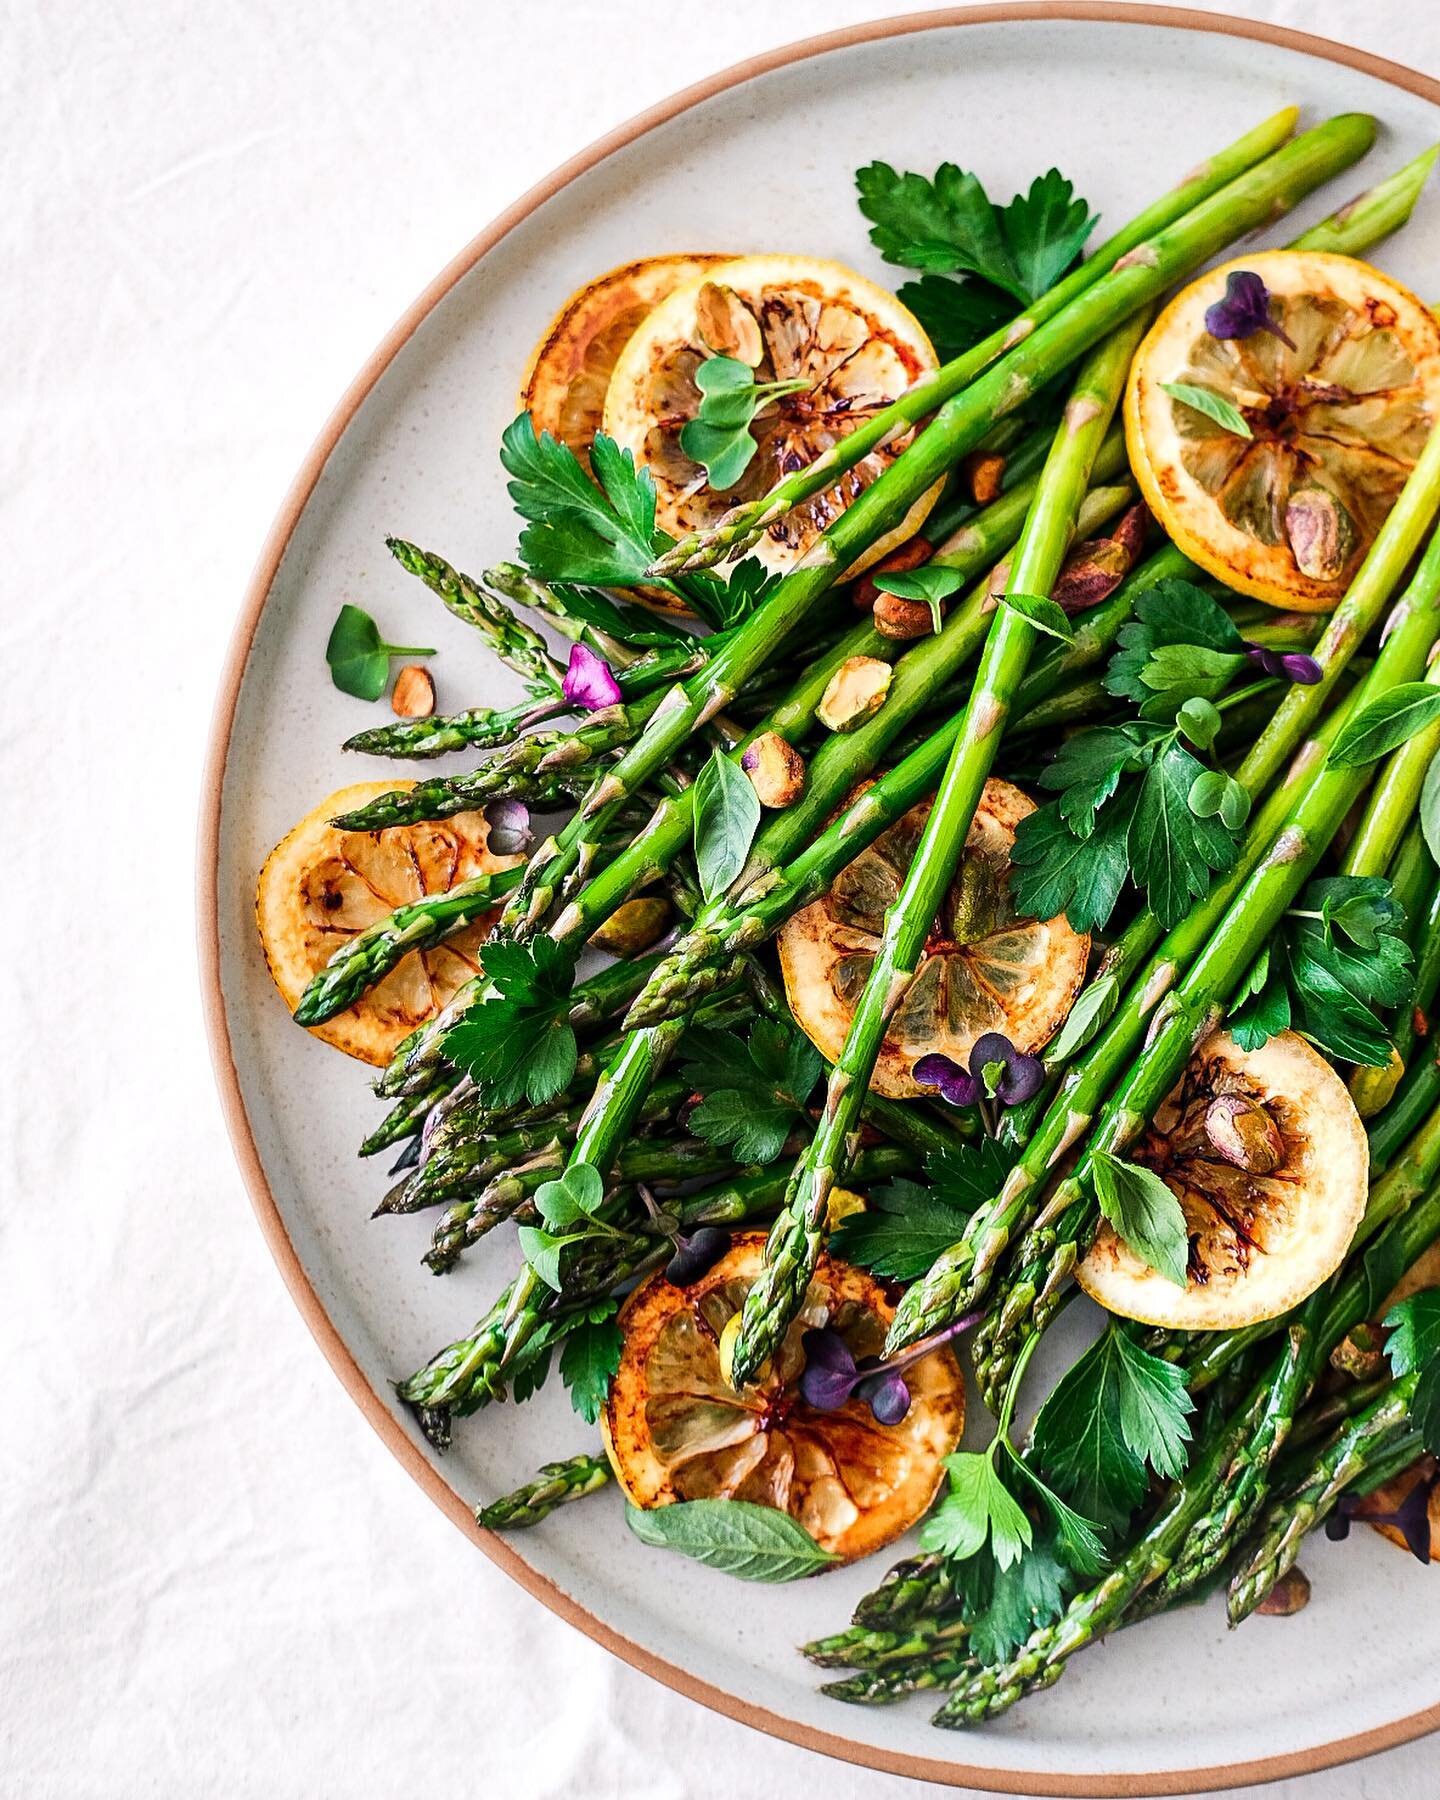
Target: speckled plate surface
(1125,99)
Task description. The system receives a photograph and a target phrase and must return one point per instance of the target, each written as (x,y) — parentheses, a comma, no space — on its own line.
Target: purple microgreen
(1411,1518)
(1244,310)
(1016,1078)
(957,1086)
(588,682)
(887,1395)
(696,1253)
(831,1374)
(507,827)
(1286,665)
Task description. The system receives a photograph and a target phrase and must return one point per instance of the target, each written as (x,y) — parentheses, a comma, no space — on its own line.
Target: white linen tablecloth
(213,1578)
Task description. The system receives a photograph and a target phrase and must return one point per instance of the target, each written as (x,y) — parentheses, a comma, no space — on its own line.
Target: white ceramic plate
(758,159)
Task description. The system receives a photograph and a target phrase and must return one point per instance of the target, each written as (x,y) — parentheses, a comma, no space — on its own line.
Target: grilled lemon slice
(1268,1158)
(792,318)
(675,1430)
(571,366)
(320,887)
(1338,417)
(985,968)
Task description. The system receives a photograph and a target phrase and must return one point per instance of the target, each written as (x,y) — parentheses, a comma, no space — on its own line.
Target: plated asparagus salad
(976,846)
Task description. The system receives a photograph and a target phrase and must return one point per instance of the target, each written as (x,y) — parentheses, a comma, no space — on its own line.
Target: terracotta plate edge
(337,1353)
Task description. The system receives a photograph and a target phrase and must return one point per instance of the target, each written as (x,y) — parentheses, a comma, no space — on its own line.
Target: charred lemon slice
(1339,392)
(320,887)
(1268,1158)
(985,968)
(852,346)
(571,366)
(675,1430)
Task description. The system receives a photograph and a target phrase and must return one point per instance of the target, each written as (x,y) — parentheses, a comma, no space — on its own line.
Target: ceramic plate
(1126,100)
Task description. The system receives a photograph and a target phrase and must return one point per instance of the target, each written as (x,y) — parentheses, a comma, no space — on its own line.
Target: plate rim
(915,1765)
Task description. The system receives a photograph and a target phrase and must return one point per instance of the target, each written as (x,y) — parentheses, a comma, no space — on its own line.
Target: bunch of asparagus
(1275,1456)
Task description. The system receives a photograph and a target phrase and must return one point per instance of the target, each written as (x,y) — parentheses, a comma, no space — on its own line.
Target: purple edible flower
(831,1374)
(1411,1518)
(1287,665)
(588,681)
(1244,310)
(1012,1077)
(696,1253)
(507,827)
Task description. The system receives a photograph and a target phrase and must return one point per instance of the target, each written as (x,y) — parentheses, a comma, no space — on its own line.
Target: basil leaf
(1086,1017)
(1382,1265)
(755,1543)
(932,585)
(1144,1213)
(1385,724)
(1430,807)
(1043,614)
(1214,406)
(727,816)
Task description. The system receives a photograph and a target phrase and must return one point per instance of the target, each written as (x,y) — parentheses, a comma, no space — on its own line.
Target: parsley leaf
(1124,810)
(948,225)
(1262,1010)
(1045,230)
(601,532)
(1143,1212)
(956,315)
(978,1509)
(1115,1411)
(519,1040)
(1171,615)
(907,1224)
(754,1089)
(1003,1606)
(1173,854)
(589,1357)
(1057,872)
(1414,1327)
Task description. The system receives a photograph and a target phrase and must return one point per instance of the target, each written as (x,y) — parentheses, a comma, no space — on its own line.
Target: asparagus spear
(960,1277)
(537,758)
(870,1647)
(1041,1660)
(370,956)
(480,728)
(796,1237)
(557,1484)
(667,1160)
(517,644)
(1251,200)
(910,1590)
(1344,1460)
(742,525)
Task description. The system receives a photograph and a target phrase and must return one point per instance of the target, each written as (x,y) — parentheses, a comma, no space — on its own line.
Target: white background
(213,1580)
